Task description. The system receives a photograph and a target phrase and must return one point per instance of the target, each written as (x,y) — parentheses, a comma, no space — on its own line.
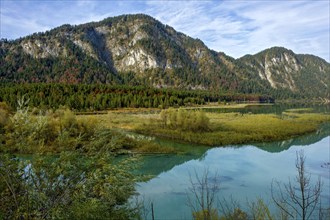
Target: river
(245,172)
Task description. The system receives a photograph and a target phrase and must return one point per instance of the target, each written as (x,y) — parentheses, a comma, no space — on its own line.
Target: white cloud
(242,27)
(28,25)
(234,27)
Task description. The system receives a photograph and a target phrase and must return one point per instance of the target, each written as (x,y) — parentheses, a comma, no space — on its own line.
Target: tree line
(95,97)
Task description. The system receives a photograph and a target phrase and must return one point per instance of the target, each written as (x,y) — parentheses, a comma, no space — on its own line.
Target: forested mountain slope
(304,75)
(139,50)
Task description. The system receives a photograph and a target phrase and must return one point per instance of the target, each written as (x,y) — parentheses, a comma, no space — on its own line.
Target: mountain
(282,69)
(139,50)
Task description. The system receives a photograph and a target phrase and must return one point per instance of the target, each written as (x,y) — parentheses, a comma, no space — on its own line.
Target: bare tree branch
(298,200)
(202,193)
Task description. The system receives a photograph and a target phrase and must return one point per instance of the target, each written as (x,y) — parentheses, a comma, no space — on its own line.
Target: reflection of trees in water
(297,198)
(156,164)
(304,140)
(326,165)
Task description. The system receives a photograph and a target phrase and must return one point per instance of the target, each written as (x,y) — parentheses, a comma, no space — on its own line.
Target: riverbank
(225,128)
(234,128)
(137,130)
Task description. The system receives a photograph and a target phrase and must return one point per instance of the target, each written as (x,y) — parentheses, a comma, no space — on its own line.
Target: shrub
(185,120)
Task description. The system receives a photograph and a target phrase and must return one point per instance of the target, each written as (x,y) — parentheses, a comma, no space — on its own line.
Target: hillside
(139,50)
(281,69)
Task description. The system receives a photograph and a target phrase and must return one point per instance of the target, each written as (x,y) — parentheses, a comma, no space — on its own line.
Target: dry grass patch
(225,128)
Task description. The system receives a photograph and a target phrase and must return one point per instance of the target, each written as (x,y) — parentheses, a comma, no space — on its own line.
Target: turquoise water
(245,172)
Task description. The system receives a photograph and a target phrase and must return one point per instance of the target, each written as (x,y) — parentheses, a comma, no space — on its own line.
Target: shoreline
(137,129)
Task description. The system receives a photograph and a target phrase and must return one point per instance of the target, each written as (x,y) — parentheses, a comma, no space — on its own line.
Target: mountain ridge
(140,50)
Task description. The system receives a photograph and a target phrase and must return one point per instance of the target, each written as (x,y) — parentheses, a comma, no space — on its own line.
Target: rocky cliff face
(137,49)
(282,69)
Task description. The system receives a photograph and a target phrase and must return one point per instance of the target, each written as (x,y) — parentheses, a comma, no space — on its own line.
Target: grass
(63,130)
(226,128)
(127,121)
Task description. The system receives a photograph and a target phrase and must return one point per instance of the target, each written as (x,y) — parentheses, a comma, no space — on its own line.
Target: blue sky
(236,27)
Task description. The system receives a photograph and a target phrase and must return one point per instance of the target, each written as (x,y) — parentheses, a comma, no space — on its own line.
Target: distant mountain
(139,50)
(280,68)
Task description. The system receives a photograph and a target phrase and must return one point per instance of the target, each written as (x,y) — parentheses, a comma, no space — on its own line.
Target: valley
(128,118)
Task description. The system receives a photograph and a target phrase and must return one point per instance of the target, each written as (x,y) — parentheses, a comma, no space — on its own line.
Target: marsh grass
(128,120)
(236,128)
(225,128)
(62,130)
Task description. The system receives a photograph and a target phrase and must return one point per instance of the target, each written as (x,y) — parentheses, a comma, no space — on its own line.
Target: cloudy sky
(236,27)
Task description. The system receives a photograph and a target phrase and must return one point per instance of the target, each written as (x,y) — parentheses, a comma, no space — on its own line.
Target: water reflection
(304,140)
(245,172)
(156,164)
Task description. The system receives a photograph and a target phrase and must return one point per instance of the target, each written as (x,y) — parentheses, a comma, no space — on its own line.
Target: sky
(235,27)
